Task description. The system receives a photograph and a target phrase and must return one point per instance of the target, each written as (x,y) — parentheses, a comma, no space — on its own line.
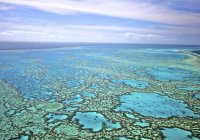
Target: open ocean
(99,91)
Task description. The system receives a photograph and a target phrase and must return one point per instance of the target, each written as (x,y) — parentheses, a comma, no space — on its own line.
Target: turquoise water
(197,96)
(122,138)
(54,117)
(77,98)
(142,123)
(151,104)
(132,83)
(189,88)
(24,137)
(174,74)
(130,116)
(94,121)
(107,91)
(177,134)
(87,94)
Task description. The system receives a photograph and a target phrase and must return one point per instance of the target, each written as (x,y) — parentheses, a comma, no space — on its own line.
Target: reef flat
(95,92)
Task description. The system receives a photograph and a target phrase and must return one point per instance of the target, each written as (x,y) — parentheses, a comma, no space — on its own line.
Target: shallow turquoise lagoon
(177,134)
(141,123)
(107,91)
(24,137)
(54,117)
(197,96)
(77,98)
(190,88)
(133,83)
(94,121)
(122,138)
(155,105)
(87,94)
(174,74)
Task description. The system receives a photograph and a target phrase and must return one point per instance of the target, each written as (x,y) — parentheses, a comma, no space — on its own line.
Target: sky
(106,21)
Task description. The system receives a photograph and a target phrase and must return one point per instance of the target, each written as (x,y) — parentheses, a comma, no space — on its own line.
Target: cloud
(92,33)
(139,36)
(6,8)
(44,27)
(130,9)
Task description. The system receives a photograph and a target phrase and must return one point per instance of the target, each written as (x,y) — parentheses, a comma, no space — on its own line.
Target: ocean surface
(99,91)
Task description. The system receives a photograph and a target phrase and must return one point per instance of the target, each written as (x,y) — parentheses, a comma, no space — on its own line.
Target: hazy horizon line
(63,42)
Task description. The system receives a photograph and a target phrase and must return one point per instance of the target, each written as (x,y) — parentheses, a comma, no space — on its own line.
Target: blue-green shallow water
(151,104)
(177,134)
(105,91)
(94,121)
(197,96)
